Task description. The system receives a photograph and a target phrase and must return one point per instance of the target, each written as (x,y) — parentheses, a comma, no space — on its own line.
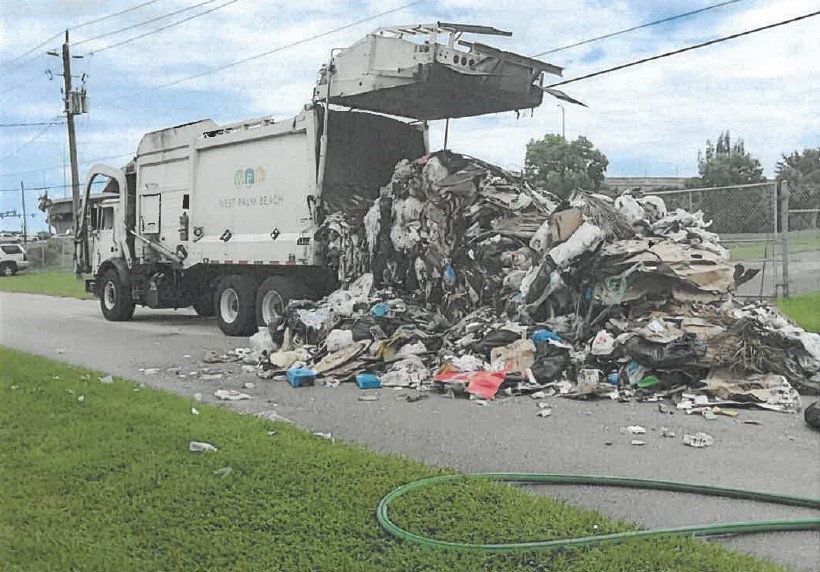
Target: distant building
(620,184)
(59,215)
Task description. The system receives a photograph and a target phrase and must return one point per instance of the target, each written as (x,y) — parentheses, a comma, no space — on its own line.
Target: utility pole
(25,228)
(72,139)
(563,122)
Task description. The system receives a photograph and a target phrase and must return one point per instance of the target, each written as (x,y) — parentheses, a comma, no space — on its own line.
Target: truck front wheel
(235,305)
(204,306)
(115,300)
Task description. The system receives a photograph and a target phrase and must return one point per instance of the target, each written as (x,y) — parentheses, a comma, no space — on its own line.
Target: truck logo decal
(248,177)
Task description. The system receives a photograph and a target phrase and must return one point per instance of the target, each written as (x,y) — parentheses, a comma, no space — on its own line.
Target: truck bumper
(91,286)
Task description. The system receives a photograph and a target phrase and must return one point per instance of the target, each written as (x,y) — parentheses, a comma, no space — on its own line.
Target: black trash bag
(685,350)
(550,362)
(812,415)
(496,339)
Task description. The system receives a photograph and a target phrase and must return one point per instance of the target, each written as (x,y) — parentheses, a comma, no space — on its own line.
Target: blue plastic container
(301,377)
(368,381)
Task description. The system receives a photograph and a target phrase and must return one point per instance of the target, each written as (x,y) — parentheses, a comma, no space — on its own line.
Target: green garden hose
(591,480)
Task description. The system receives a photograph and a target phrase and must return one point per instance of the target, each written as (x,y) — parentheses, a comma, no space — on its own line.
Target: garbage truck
(223,218)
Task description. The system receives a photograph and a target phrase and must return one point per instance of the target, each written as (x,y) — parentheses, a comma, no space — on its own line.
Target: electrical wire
(291,45)
(78,26)
(163,28)
(607,481)
(685,49)
(33,124)
(633,28)
(114,15)
(143,23)
(53,167)
(29,142)
(35,48)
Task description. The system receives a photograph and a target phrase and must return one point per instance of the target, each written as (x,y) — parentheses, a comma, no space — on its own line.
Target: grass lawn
(52,283)
(108,483)
(803,309)
(799,241)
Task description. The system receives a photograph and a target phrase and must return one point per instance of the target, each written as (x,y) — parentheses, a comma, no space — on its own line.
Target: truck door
(149,214)
(103,243)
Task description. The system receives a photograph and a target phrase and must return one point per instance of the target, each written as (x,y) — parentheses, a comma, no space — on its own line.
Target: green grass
(803,309)
(107,483)
(63,284)
(799,241)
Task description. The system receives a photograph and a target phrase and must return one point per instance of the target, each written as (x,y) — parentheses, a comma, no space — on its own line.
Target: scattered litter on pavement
(665,432)
(107,379)
(637,442)
(328,436)
(545,412)
(200,447)
(151,371)
(751,422)
(699,440)
(223,472)
(636,430)
(249,385)
(368,398)
(231,395)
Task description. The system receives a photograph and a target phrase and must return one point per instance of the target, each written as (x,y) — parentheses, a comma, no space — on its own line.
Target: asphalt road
(781,454)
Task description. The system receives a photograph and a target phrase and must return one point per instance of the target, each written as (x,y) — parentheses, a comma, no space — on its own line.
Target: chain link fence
(802,244)
(54,254)
(747,218)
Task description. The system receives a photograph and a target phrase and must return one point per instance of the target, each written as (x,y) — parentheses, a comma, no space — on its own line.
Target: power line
(633,28)
(33,124)
(29,142)
(128,41)
(286,46)
(686,49)
(37,47)
(114,15)
(84,24)
(143,23)
(50,187)
(53,167)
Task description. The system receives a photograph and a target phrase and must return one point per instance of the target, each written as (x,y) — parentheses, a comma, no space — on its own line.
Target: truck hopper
(405,71)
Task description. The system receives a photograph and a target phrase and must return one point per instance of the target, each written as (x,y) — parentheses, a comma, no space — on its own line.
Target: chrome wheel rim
(272,306)
(110,295)
(229,305)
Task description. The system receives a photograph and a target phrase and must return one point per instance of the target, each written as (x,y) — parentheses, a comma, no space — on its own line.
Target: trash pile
(463,278)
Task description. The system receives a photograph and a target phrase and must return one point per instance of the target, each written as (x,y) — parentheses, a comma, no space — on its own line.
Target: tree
(728,163)
(802,171)
(561,166)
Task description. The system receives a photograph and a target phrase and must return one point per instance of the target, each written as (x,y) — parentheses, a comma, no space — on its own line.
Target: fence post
(784,234)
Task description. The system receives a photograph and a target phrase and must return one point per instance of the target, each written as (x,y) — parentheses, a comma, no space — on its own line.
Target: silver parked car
(13,259)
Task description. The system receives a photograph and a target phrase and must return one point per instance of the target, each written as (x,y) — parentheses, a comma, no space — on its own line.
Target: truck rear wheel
(235,305)
(273,296)
(115,300)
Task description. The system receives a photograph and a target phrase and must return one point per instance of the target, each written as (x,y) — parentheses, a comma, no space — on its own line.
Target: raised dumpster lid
(406,71)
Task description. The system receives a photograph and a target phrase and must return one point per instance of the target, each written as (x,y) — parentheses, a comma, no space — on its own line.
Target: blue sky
(649,120)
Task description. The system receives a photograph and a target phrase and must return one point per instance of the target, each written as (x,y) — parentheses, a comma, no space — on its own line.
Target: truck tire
(205,306)
(273,296)
(8,269)
(235,305)
(115,300)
